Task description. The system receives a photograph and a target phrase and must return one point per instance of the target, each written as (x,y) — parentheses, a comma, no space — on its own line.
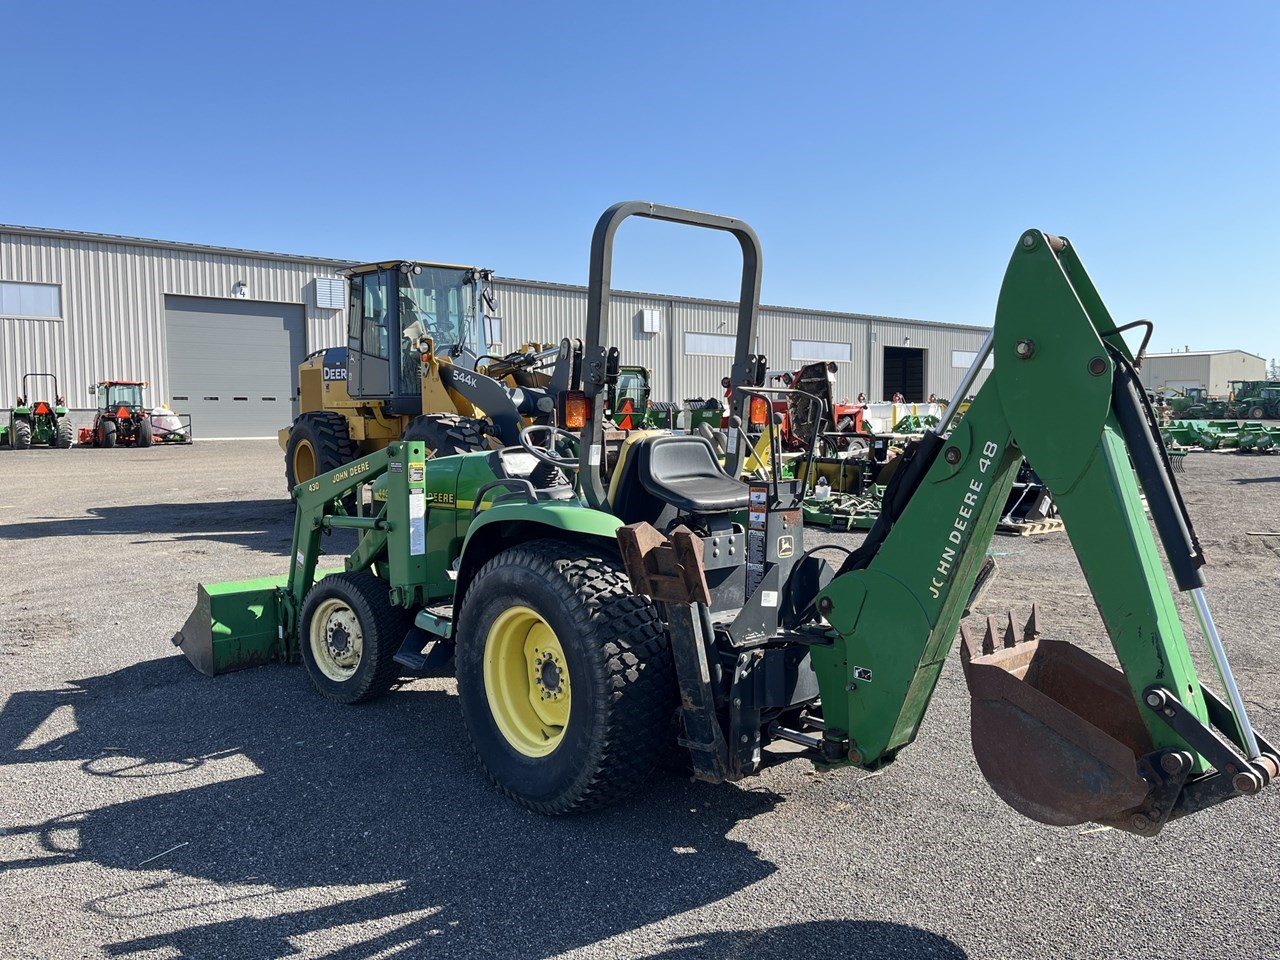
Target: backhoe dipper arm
(898,601)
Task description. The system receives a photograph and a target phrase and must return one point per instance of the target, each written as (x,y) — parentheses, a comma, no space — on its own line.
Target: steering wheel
(548,454)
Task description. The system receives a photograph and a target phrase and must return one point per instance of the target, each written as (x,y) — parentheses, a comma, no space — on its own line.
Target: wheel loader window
(375,338)
(443,300)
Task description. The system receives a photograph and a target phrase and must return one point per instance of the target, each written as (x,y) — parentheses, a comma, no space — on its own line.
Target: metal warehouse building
(1212,370)
(218,332)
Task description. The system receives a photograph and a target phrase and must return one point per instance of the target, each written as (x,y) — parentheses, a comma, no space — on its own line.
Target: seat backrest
(629,501)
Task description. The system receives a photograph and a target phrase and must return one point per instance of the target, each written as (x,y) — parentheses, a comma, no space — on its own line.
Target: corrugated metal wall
(113,293)
(113,321)
(534,311)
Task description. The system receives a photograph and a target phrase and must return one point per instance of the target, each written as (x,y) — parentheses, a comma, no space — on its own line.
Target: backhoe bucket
(1056,732)
(234,625)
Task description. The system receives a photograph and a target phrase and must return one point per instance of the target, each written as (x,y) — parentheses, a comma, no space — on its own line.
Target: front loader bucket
(234,625)
(1056,732)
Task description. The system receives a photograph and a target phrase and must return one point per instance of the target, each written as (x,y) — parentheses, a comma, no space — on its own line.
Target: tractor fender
(505,525)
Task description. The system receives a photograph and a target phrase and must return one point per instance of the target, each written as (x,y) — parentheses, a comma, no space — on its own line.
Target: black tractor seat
(680,470)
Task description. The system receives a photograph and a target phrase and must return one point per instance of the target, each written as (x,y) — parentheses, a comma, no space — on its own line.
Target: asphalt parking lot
(147,811)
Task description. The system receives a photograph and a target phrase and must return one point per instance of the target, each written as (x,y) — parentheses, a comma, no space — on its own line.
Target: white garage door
(233,364)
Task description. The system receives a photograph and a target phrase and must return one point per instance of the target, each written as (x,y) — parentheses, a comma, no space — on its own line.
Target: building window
(820,350)
(963,359)
(42,300)
(710,344)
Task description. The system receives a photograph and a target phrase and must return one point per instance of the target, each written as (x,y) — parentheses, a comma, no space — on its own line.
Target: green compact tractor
(604,597)
(39,421)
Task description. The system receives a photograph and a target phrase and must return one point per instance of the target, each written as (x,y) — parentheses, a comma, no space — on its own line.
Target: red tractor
(121,419)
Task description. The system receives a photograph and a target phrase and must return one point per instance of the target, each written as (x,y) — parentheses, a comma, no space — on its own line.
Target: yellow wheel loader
(415,367)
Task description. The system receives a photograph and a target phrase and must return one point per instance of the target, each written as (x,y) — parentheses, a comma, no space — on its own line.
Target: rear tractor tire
(318,443)
(66,434)
(448,434)
(22,434)
(565,677)
(349,633)
(107,433)
(144,435)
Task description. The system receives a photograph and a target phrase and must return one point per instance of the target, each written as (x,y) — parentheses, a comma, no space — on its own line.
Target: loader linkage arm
(1061,736)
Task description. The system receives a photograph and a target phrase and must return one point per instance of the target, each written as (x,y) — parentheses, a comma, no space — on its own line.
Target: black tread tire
(108,430)
(1257,413)
(446,434)
(382,623)
(66,433)
(143,436)
(21,434)
(329,438)
(619,659)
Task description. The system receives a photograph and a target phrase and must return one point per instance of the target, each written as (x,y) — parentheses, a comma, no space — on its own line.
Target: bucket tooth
(989,638)
(1010,633)
(1032,630)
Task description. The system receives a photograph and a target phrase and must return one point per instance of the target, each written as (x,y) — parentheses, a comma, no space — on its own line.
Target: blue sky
(889,156)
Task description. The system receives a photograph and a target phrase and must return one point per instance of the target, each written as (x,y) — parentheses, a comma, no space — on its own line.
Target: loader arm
(1064,738)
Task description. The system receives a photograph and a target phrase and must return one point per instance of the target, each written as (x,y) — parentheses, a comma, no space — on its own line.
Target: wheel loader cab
(394,305)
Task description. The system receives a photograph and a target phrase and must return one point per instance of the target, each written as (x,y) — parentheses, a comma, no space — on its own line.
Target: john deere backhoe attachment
(1061,736)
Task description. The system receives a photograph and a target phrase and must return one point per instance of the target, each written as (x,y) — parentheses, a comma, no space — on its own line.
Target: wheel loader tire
(22,434)
(447,434)
(144,433)
(319,442)
(349,633)
(565,677)
(107,433)
(66,433)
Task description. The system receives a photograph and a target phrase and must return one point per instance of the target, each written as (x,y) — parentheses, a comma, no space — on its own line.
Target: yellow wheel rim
(336,640)
(304,461)
(526,681)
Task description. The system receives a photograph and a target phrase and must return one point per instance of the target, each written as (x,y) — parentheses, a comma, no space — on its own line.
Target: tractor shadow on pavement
(262,525)
(261,816)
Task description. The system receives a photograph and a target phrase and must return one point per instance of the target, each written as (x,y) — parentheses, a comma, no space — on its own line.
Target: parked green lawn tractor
(604,597)
(40,421)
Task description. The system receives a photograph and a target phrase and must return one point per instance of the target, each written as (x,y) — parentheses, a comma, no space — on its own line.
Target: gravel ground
(147,811)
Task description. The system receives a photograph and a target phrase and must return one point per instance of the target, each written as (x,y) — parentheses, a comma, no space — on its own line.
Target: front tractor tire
(318,443)
(349,633)
(565,677)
